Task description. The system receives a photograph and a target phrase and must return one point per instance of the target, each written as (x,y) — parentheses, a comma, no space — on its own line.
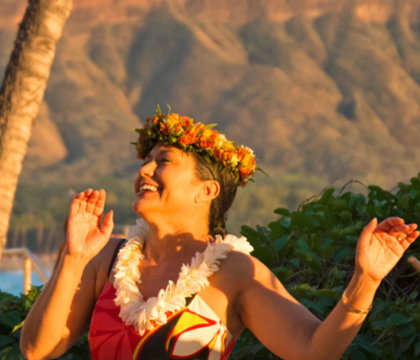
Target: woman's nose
(148,169)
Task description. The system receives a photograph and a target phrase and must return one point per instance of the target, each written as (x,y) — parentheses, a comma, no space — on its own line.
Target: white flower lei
(145,315)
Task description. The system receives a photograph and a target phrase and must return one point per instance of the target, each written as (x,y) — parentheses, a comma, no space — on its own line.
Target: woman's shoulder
(239,273)
(104,260)
(237,268)
(108,252)
(243,271)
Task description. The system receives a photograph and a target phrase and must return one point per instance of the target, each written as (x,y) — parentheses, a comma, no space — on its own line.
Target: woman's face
(167,185)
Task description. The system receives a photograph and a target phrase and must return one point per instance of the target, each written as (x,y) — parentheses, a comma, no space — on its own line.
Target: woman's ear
(210,190)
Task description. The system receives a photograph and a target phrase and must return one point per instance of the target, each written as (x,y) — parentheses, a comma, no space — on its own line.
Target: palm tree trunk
(22,91)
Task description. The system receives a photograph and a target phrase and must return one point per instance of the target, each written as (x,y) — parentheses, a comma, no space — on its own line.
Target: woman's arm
(62,312)
(378,250)
(289,330)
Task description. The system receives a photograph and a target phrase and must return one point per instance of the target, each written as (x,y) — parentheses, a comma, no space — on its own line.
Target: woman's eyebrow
(160,153)
(165,151)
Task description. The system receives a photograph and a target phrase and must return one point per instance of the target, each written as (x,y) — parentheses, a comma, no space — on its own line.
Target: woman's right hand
(85,234)
(61,313)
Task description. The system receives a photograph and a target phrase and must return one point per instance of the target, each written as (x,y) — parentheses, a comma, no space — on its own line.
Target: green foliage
(318,84)
(47,206)
(311,250)
(254,203)
(13,310)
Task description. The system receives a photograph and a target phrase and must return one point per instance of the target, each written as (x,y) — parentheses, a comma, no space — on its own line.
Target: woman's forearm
(336,332)
(45,327)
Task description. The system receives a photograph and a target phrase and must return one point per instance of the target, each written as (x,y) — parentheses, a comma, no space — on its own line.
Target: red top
(194,332)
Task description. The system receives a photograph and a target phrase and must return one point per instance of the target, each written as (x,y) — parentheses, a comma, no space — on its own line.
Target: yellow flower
(182,131)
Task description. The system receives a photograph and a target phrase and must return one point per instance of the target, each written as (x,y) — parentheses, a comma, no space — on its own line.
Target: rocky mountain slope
(328,89)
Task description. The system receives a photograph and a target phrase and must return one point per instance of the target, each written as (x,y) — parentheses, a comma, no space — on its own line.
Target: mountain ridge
(238,12)
(288,44)
(326,90)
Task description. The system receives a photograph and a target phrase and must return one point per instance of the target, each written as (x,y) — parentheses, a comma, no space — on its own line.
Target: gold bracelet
(350,306)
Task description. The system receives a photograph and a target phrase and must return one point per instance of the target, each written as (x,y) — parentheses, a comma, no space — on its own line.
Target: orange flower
(192,136)
(247,164)
(186,139)
(186,121)
(227,156)
(164,128)
(172,121)
(217,153)
(178,128)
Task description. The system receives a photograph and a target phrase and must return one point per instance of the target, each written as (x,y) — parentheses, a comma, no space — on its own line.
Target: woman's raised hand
(382,245)
(85,234)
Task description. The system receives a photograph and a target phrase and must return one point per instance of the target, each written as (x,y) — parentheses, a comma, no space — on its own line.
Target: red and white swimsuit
(177,324)
(194,332)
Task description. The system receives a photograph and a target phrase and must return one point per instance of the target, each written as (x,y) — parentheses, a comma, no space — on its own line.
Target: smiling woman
(167,189)
(179,287)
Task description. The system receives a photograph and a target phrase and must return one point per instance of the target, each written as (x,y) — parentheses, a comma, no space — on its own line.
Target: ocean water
(12,281)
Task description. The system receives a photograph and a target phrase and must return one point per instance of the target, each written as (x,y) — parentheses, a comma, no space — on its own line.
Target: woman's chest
(193,331)
(220,294)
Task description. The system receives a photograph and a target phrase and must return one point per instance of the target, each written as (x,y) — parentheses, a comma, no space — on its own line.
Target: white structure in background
(29,261)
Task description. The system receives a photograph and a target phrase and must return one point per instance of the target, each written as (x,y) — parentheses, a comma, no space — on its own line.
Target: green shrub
(311,250)
(13,310)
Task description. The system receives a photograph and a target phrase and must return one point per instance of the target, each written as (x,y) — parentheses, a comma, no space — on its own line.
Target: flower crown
(186,134)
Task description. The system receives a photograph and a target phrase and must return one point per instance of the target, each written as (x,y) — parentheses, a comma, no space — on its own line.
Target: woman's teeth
(147,187)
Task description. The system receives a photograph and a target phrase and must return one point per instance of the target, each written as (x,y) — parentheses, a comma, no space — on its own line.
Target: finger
(389,223)
(412,227)
(412,237)
(79,195)
(84,196)
(405,243)
(88,192)
(108,225)
(368,230)
(398,228)
(401,231)
(76,203)
(74,206)
(91,201)
(100,203)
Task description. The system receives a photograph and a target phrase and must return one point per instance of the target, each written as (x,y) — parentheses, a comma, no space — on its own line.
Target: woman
(180,287)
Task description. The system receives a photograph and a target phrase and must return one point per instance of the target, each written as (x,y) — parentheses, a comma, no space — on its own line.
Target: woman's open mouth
(147,188)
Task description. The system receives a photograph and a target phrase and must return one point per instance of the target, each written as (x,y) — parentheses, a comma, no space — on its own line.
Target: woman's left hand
(382,245)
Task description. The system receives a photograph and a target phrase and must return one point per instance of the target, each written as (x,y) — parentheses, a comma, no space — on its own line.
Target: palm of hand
(83,232)
(85,235)
(381,247)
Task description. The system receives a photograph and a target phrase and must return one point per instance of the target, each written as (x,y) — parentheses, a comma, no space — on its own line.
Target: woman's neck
(165,243)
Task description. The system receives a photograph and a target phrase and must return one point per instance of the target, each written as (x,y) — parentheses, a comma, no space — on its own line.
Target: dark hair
(206,170)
